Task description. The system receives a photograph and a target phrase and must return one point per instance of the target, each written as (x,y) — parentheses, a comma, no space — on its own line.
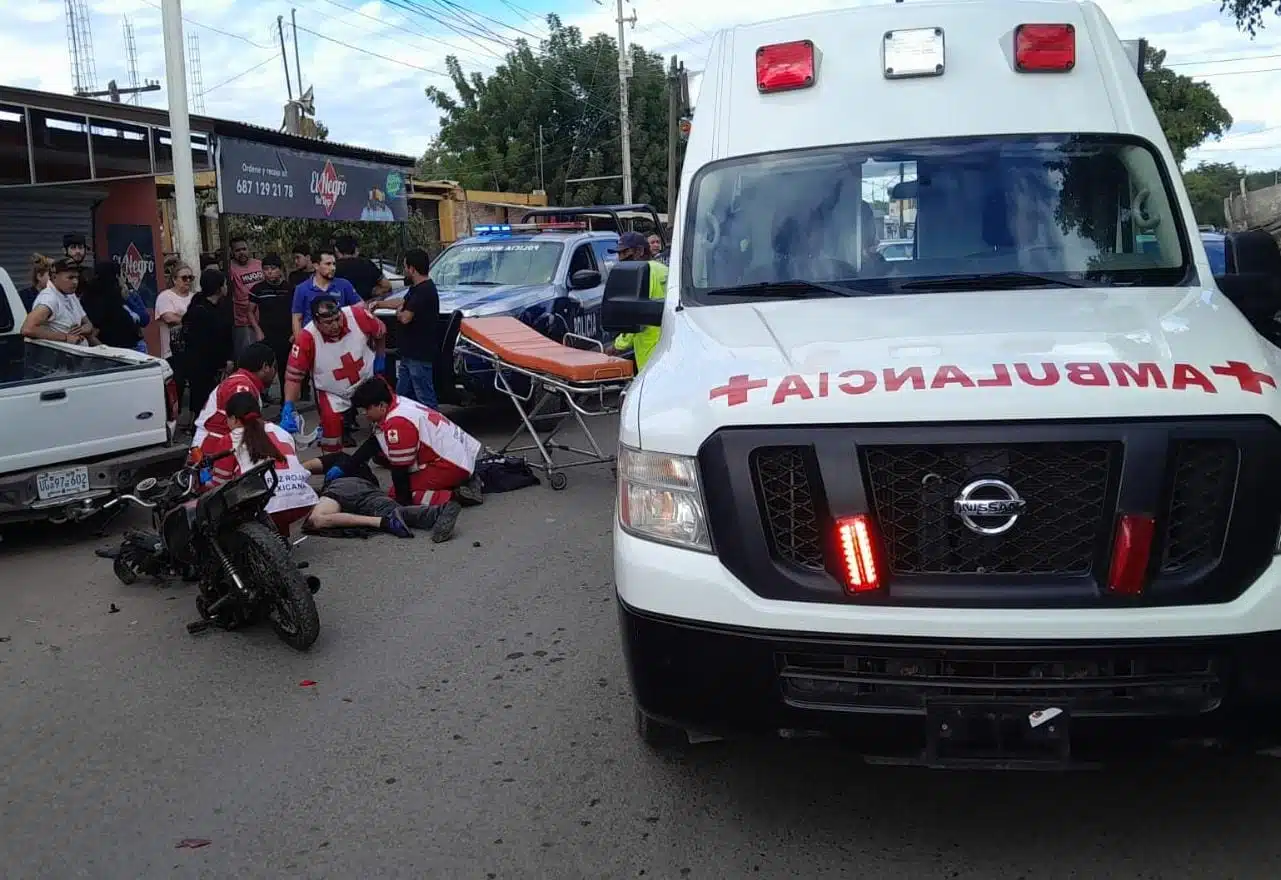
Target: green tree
(1249,13)
(1189,111)
(568,86)
(1211,182)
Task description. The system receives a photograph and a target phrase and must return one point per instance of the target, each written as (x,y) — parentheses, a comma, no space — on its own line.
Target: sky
(369,62)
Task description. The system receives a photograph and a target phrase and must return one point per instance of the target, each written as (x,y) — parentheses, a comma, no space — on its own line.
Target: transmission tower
(196,85)
(131,54)
(84,78)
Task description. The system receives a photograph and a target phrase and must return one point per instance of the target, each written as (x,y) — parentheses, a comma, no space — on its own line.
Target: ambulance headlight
(660,499)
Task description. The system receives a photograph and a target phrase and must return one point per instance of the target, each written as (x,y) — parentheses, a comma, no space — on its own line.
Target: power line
(231,79)
(373,54)
(209,27)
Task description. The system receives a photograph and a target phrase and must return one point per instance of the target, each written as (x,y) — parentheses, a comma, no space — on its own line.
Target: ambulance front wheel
(557,480)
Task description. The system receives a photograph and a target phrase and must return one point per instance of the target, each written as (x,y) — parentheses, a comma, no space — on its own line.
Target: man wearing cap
(340,347)
(74,249)
(57,314)
(632,246)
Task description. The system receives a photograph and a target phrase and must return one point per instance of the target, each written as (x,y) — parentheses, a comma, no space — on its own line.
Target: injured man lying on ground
(353,504)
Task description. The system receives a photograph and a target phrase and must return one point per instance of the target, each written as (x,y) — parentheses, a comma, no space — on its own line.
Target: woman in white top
(171,305)
(57,314)
(253,440)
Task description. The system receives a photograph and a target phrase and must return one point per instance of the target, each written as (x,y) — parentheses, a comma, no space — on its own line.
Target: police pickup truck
(1012,501)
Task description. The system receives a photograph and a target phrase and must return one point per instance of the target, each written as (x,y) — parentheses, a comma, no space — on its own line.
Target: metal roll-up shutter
(35,220)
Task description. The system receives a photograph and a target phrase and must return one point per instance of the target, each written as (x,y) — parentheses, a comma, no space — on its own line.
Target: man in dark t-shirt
(363,274)
(272,300)
(302,269)
(417,338)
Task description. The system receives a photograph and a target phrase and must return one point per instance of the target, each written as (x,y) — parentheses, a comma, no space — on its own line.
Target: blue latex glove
(206,476)
(334,473)
(380,362)
(288,419)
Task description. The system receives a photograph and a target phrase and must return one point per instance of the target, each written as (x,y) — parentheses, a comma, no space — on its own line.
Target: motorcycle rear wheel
(123,569)
(268,562)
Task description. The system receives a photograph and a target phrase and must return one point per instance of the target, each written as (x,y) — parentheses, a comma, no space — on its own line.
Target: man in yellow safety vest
(635,246)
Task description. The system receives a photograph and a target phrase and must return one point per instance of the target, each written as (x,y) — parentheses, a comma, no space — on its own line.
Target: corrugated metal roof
(207,124)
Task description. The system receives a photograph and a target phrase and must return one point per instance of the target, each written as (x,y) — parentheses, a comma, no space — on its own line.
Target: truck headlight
(659,499)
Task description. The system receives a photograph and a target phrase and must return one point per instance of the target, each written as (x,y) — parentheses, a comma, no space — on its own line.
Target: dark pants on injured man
(358,496)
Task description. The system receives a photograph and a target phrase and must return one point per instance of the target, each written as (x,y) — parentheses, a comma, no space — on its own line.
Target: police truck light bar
(783,67)
(860,562)
(1044,48)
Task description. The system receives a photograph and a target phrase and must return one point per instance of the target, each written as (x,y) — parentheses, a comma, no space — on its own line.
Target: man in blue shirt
(322,283)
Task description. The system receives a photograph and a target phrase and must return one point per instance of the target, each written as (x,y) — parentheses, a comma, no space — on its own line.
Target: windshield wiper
(796,287)
(998,280)
(478,283)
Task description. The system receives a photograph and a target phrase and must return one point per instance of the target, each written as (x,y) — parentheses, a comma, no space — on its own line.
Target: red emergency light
(860,555)
(782,67)
(1044,48)
(1131,549)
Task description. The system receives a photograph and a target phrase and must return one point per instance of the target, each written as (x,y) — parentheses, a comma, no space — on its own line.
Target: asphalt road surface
(470,718)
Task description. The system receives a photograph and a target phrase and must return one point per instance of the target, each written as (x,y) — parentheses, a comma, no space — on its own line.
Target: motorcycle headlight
(660,499)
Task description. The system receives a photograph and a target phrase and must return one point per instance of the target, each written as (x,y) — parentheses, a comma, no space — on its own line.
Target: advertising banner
(133,249)
(275,182)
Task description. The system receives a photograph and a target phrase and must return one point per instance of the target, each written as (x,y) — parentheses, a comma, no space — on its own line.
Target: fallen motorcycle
(223,539)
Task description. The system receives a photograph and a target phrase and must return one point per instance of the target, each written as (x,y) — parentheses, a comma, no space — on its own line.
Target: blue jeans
(414,380)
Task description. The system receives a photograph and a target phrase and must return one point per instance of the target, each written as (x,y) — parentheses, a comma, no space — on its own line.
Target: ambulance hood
(954,357)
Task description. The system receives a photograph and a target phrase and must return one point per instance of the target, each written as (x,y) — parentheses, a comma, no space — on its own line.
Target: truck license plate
(58,484)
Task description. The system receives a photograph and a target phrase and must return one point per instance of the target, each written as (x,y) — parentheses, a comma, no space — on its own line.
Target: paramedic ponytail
(245,409)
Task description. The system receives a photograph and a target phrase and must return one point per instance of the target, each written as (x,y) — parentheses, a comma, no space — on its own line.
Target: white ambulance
(1013,499)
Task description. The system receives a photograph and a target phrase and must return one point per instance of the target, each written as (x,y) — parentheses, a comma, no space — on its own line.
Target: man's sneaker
(471,493)
(395,524)
(443,529)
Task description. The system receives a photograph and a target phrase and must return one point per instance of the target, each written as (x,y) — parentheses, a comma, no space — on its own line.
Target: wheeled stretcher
(588,382)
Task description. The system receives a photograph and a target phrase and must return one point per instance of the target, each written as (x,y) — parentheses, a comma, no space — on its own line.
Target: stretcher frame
(575,395)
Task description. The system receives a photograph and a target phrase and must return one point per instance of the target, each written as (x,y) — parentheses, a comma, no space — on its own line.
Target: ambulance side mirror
(627,307)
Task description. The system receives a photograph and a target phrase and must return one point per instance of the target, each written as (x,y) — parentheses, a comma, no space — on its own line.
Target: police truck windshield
(974,213)
(497,262)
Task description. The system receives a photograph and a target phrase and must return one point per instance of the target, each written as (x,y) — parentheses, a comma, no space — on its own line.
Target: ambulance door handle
(46,396)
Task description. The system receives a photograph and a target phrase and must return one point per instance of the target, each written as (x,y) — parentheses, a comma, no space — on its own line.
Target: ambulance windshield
(937,215)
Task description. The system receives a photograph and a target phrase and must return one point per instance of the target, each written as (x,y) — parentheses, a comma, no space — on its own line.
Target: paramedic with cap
(339,348)
(632,246)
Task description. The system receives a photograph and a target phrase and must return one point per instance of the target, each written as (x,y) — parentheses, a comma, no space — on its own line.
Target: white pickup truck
(78,424)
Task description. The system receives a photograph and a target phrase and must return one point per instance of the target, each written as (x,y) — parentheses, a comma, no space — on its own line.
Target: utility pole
(673,135)
(114,91)
(187,233)
(284,56)
(624,119)
(542,185)
(293,20)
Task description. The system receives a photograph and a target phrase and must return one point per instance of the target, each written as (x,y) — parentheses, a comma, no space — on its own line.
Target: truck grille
(1066,487)
(1202,484)
(785,486)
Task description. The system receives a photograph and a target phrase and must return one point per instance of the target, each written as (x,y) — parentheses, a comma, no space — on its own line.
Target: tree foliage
(1249,13)
(568,86)
(1189,111)
(1211,182)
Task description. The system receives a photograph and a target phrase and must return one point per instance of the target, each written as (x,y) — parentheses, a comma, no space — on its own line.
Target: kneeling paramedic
(431,458)
(634,247)
(352,498)
(340,348)
(255,371)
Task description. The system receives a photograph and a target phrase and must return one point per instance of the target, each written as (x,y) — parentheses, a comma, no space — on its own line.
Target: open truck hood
(955,357)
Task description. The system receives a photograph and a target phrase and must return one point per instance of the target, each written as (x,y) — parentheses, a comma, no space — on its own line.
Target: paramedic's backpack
(504,473)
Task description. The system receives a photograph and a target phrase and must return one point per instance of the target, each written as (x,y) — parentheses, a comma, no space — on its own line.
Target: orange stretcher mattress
(523,346)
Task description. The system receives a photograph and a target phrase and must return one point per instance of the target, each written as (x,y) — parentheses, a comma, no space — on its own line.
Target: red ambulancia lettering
(737,389)
(1000,378)
(1141,375)
(1186,374)
(822,384)
(895,380)
(1086,374)
(949,374)
(1024,373)
(792,386)
(1250,379)
(866,381)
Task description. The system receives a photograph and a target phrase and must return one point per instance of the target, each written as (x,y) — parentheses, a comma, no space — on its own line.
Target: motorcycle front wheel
(259,553)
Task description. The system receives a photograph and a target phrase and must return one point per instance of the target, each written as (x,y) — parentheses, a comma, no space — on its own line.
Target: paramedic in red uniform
(341,347)
(256,371)
(431,458)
